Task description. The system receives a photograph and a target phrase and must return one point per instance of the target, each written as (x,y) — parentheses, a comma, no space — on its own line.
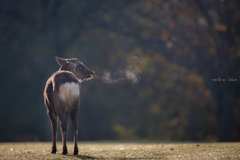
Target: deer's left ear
(60,61)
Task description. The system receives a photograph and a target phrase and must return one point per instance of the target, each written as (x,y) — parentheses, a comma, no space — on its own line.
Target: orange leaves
(164,37)
(149,3)
(221,27)
(238,53)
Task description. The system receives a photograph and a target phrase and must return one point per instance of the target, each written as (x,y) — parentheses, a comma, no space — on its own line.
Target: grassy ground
(123,151)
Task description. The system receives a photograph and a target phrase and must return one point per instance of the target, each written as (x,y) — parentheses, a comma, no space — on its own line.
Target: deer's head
(76,67)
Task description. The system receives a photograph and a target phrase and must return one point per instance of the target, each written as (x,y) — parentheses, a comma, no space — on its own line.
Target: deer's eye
(80,67)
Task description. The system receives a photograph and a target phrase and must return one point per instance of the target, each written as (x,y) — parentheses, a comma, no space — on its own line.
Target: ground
(131,150)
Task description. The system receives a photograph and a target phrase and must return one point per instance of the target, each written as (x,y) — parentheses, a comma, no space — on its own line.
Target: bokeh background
(186,52)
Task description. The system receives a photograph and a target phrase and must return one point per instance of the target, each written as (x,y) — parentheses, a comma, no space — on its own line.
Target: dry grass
(123,151)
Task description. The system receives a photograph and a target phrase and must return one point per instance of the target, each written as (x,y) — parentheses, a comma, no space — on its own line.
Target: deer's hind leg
(63,117)
(54,121)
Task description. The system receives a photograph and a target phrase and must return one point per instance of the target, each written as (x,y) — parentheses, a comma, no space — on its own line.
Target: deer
(62,98)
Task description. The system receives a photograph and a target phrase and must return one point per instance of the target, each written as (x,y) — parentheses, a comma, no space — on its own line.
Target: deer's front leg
(64,125)
(74,117)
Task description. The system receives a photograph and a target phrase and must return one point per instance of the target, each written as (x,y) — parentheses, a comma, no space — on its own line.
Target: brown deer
(62,98)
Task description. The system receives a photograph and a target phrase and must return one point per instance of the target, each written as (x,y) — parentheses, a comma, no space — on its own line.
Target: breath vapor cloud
(130,74)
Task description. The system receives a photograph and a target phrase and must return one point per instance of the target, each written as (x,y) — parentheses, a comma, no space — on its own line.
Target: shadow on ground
(84,157)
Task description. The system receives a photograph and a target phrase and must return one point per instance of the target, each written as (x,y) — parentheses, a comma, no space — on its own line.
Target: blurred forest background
(183,51)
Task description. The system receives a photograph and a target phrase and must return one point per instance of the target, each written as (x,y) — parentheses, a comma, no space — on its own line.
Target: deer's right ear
(60,61)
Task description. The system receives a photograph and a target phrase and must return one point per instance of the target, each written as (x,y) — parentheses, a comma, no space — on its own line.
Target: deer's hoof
(64,152)
(54,151)
(75,151)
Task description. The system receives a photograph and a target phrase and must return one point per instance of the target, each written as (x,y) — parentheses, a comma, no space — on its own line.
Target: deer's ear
(60,61)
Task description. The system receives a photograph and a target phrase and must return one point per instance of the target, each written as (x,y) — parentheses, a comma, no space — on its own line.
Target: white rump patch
(69,91)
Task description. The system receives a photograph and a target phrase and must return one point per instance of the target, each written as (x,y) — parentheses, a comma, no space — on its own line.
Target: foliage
(179,47)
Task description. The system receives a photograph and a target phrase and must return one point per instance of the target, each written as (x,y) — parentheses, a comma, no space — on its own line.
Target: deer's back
(62,88)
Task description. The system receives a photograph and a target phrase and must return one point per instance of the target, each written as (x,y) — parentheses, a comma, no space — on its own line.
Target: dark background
(183,48)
